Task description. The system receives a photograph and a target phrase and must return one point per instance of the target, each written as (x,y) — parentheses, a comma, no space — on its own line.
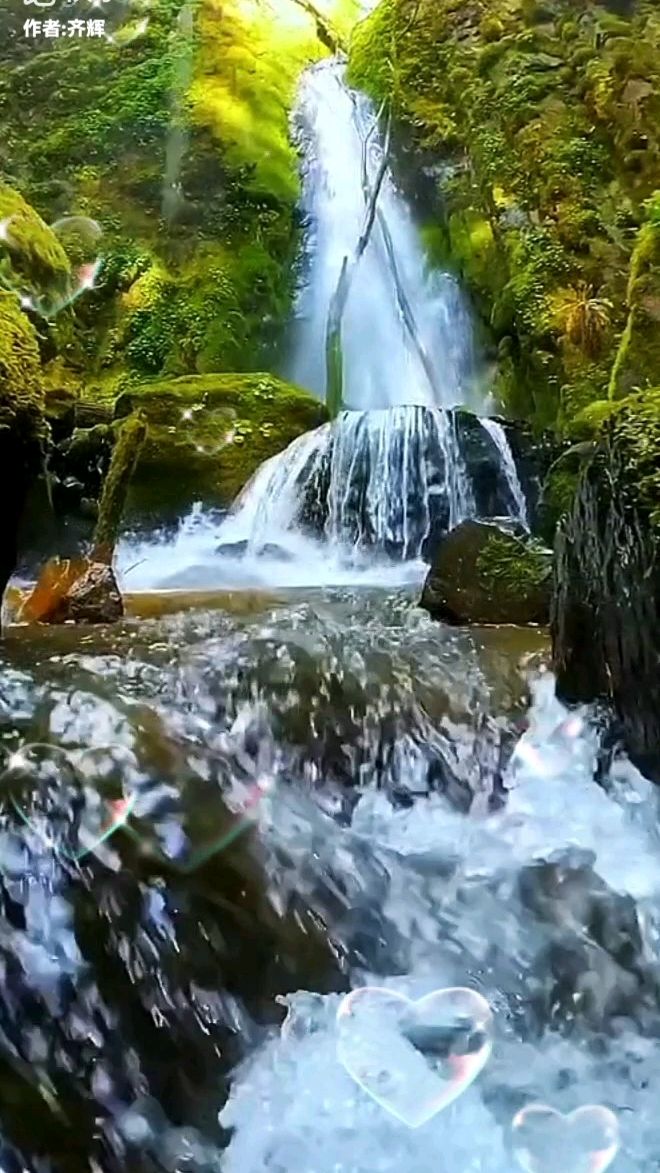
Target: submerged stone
(488,572)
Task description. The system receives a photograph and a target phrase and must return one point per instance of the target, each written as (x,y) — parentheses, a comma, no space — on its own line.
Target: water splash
(498,435)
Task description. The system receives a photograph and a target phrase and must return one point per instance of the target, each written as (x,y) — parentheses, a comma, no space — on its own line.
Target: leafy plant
(583,318)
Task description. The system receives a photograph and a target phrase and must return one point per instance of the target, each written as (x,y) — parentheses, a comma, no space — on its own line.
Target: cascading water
(391,468)
(406,330)
(497,434)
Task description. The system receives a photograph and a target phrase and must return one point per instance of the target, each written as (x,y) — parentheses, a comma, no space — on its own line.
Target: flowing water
(407,333)
(311,789)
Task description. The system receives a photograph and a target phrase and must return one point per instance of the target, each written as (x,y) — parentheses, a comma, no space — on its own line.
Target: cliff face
(606,609)
(539,121)
(177,143)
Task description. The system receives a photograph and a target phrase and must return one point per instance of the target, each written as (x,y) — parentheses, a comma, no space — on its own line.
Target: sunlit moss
(548,129)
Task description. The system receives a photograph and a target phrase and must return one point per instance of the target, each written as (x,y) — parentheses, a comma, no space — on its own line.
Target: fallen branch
(333,348)
(125,455)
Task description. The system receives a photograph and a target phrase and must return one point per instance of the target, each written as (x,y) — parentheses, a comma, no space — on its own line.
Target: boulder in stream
(209,433)
(489,572)
(605,621)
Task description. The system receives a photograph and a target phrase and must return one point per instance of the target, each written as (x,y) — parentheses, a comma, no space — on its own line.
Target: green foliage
(211,109)
(21,389)
(548,127)
(508,564)
(208,434)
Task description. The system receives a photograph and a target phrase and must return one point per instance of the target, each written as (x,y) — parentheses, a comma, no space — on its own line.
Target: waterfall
(406,331)
(403,464)
(498,435)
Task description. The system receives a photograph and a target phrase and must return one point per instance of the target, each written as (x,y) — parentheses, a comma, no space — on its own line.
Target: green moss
(536,116)
(634,428)
(214,103)
(209,433)
(21,390)
(637,362)
(31,257)
(507,564)
(128,445)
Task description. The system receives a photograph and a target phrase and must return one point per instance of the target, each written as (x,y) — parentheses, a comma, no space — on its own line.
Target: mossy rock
(22,423)
(554,157)
(637,364)
(207,435)
(31,256)
(482,573)
(606,602)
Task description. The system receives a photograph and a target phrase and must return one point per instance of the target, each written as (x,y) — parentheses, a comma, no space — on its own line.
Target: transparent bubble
(128,32)
(414,1058)
(70,802)
(24,271)
(585,1141)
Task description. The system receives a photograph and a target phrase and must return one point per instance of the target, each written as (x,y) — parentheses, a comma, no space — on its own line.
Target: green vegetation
(131,436)
(21,393)
(508,565)
(207,434)
(178,145)
(547,122)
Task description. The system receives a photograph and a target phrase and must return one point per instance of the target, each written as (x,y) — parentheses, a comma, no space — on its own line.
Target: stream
(217,823)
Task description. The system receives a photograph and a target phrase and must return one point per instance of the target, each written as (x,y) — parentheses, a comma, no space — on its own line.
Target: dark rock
(605,621)
(492,495)
(85,456)
(487,573)
(240,549)
(93,598)
(313,514)
(233,549)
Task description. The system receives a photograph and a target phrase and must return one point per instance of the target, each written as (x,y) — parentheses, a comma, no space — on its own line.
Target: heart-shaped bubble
(72,801)
(414,1058)
(585,1141)
(188,858)
(48,290)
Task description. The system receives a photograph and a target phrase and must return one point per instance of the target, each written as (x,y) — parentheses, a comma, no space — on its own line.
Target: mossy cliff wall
(606,607)
(177,144)
(540,123)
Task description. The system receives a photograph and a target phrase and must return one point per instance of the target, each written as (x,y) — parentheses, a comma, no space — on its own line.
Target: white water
(497,434)
(390,470)
(383,366)
(293,1107)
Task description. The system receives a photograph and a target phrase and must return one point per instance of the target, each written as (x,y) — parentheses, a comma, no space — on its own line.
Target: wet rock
(489,573)
(492,495)
(240,549)
(93,598)
(209,433)
(84,456)
(233,549)
(605,622)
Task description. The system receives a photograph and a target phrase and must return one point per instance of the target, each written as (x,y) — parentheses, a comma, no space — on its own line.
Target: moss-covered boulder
(22,424)
(207,435)
(483,573)
(605,621)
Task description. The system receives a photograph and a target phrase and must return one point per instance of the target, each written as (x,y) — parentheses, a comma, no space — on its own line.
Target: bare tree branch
(333,349)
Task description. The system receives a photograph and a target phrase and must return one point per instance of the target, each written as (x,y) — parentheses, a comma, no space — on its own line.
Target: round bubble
(414,1058)
(129,32)
(585,1141)
(22,269)
(72,802)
